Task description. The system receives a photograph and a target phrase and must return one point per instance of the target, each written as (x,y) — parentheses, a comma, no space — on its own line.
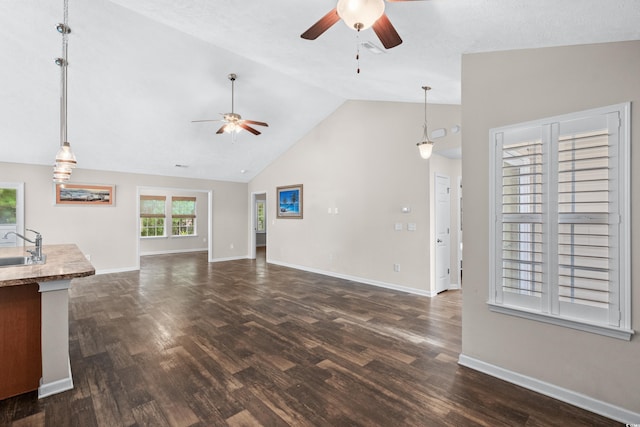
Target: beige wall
(363,161)
(503,88)
(108,234)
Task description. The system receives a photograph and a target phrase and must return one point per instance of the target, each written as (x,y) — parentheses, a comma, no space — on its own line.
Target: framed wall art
(289,201)
(85,194)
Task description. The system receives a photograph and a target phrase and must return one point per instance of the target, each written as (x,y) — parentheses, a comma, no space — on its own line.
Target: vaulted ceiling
(141,70)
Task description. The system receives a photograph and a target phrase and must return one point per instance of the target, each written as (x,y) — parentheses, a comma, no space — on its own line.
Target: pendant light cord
(63,62)
(426,133)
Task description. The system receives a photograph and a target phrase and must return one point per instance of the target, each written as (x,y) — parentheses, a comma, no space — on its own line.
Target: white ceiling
(141,70)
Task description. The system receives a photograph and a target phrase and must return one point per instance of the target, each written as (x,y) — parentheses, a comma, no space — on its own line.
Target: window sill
(153,237)
(181,236)
(609,331)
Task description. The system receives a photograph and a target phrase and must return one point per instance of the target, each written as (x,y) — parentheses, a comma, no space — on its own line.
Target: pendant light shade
(426,148)
(426,145)
(65,158)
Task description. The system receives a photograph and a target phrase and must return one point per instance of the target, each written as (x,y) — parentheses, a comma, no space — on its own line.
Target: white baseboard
(574,398)
(454,287)
(357,279)
(173,251)
(55,387)
(231,258)
(116,270)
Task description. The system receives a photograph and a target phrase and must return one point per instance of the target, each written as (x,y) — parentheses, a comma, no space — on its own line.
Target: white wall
(363,161)
(504,88)
(108,234)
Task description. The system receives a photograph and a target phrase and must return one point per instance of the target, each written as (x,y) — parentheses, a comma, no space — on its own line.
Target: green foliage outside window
(151,227)
(8,205)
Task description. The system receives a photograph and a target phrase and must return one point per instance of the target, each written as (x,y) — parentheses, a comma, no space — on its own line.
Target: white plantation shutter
(520,218)
(588,173)
(561,215)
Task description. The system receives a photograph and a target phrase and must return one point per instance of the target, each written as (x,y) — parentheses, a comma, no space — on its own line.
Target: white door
(443,226)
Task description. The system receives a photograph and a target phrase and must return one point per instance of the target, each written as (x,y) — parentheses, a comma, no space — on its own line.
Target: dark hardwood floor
(242,343)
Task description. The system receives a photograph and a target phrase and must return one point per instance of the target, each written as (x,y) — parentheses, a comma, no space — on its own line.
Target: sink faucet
(36,254)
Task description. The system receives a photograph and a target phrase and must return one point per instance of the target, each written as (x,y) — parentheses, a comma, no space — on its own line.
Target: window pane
(8,205)
(522,258)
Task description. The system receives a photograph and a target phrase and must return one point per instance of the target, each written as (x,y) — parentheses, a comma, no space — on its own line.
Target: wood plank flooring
(241,343)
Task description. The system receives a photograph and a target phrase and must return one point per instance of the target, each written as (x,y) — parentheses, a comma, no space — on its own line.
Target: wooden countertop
(63,262)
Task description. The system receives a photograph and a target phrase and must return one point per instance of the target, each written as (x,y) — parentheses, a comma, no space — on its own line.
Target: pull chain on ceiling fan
(233,122)
(359,15)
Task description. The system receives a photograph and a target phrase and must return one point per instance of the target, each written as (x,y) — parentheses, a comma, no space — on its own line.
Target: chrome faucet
(36,254)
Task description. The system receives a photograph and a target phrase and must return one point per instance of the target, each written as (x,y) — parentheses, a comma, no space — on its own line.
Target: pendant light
(65,159)
(426,145)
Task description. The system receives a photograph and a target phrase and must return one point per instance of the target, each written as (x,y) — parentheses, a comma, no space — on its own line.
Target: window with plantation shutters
(560,221)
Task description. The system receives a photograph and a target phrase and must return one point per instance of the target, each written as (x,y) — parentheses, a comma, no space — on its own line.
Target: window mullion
(550,302)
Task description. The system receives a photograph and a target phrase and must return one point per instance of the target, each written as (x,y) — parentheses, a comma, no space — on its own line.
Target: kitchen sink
(14,261)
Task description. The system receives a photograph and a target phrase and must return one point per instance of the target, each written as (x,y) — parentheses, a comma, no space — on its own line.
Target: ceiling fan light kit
(360,14)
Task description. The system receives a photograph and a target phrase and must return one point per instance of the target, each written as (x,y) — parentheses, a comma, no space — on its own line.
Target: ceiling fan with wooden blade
(233,122)
(359,15)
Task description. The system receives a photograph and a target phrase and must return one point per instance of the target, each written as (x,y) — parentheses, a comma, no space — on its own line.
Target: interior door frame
(209,193)
(252,220)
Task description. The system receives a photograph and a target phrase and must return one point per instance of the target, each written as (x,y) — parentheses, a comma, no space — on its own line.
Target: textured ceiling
(141,70)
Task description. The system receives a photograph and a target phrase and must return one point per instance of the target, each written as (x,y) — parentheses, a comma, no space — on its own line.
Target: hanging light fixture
(426,145)
(65,159)
(360,14)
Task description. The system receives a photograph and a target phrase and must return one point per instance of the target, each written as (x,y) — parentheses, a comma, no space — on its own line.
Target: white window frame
(163,216)
(175,216)
(547,307)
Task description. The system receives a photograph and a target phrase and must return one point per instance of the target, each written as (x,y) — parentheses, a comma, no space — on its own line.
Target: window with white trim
(560,218)
(183,216)
(152,216)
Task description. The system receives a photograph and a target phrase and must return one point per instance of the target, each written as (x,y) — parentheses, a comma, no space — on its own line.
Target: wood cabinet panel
(20,342)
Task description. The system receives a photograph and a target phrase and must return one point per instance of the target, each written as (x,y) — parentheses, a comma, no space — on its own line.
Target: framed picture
(289,201)
(85,194)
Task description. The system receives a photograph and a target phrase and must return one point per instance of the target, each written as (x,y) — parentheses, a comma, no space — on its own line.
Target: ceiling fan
(359,15)
(233,122)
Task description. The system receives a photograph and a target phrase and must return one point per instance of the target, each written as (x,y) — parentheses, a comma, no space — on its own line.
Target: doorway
(443,232)
(203,237)
(258,229)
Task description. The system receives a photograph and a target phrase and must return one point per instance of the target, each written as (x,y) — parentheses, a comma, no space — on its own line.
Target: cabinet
(20,343)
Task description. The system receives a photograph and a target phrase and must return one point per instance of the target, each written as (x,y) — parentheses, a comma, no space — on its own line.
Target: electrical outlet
(396,268)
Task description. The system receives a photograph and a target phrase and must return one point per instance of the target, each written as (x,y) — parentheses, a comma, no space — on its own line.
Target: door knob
(439,241)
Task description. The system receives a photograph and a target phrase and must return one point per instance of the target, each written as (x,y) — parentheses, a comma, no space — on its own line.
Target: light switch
(398,226)
(411,226)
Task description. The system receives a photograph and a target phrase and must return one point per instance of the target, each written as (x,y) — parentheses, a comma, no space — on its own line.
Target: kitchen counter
(63,262)
(34,320)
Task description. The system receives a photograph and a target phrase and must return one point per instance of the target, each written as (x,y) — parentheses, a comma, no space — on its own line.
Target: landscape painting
(289,201)
(85,194)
